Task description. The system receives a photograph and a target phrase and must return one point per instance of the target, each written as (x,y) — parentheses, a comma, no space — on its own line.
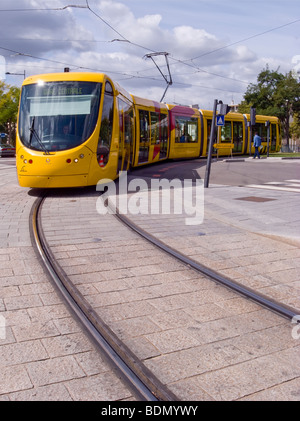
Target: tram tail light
(101,161)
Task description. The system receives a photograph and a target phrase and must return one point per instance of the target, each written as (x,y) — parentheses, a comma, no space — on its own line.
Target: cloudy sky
(215,48)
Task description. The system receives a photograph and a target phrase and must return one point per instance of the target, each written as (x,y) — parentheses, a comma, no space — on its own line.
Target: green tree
(295,126)
(274,94)
(9,102)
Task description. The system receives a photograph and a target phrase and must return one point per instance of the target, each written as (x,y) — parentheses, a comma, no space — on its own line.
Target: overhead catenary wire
(244,39)
(47,9)
(74,66)
(124,39)
(187,62)
(126,75)
(195,66)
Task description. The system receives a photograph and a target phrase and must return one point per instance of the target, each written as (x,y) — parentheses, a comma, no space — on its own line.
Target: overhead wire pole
(168,81)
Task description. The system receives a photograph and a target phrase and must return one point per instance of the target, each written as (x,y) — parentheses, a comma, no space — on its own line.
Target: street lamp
(19,74)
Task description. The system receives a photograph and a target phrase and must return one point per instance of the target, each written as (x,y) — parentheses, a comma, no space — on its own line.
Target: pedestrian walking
(256,144)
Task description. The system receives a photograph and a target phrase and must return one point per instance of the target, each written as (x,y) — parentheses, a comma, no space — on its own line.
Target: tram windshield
(56,116)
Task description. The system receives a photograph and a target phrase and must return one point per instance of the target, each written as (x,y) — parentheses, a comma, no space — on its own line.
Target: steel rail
(139,377)
(279,308)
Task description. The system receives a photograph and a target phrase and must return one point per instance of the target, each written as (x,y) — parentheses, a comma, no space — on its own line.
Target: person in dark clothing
(256,144)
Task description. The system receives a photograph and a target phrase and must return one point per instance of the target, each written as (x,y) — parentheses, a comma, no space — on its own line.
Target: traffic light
(252,116)
(224,109)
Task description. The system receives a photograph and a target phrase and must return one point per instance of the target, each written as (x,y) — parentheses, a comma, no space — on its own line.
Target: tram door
(273,137)
(144,139)
(125,135)
(238,136)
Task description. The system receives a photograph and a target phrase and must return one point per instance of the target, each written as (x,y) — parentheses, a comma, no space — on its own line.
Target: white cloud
(202,67)
(190,42)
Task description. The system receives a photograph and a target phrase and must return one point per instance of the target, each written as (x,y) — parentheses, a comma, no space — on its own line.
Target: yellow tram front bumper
(37,181)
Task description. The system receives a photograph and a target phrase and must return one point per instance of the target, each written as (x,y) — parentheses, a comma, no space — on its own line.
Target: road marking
(280,186)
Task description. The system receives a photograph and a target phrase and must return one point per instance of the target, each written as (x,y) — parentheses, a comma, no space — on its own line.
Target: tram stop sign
(220,120)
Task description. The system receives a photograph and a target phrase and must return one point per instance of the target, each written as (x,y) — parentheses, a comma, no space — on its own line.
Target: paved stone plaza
(201,339)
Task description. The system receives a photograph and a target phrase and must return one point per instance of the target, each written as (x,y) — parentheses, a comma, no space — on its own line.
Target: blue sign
(2,135)
(220,120)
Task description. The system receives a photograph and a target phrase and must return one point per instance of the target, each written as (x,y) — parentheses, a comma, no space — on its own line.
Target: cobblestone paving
(44,354)
(202,340)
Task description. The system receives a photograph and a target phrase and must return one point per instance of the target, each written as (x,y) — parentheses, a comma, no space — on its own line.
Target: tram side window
(126,122)
(186,129)
(159,126)
(237,136)
(126,126)
(261,129)
(273,134)
(144,136)
(209,131)
(128,130)
(105,129)
(226,132)
(155,128)
(144,126)
(164,135)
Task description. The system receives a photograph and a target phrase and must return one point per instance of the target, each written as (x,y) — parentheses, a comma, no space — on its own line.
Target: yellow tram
(75,129)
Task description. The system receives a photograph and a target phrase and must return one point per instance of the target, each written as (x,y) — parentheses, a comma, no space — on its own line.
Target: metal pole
(210,148)
(268,138)
(250,139)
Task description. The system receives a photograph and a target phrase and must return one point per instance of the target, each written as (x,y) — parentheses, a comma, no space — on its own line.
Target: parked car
(7,150)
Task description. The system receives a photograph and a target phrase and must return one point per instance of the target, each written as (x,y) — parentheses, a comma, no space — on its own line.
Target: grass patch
(285,155)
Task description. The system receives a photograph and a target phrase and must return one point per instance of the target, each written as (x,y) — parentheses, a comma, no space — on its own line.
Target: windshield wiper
(34,132)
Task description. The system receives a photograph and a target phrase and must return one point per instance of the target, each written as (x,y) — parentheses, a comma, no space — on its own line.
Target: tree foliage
(274,94)
(9,102)
(295,126)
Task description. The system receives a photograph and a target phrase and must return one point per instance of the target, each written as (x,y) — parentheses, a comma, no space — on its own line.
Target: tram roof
(66,76)
(149,103)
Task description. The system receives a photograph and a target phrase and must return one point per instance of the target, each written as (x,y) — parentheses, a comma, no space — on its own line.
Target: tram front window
(56,116)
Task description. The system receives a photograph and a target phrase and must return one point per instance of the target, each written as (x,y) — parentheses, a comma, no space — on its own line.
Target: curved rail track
(146,386)
(277,307)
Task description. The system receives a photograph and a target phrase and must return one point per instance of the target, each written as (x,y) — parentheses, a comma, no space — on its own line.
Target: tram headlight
(76,160)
